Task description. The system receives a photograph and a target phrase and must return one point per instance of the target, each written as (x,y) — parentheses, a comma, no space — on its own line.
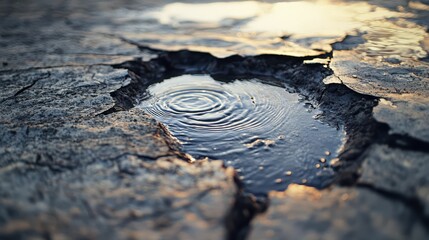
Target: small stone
(334,162)
(327,153)
(322,160)
(279,180)
(261,168)
(288,173)
(304,181)
(317,165)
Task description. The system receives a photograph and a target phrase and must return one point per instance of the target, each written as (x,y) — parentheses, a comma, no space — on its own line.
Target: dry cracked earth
(79,161)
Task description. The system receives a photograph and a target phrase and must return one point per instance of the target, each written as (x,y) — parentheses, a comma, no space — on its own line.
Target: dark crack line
(406,142)
(47,75)
(412,203)
(140,156)
(54,168)
(242,212)
(89,209)
(32,84)
(134,43)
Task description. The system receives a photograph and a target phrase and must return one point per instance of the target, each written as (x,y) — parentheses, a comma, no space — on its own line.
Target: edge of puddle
(340,106)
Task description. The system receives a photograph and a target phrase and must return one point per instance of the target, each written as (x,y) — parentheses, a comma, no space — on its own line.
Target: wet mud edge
(340,106)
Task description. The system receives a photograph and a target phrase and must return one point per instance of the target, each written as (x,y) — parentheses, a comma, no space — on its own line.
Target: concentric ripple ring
(245,123)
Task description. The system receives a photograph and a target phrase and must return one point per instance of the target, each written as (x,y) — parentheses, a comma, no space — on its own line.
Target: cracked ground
(78,161)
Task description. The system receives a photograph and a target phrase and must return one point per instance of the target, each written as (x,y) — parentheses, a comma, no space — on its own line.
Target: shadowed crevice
(410,202)
(340,106)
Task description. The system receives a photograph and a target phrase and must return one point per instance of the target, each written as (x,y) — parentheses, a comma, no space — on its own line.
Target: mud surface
(78,160)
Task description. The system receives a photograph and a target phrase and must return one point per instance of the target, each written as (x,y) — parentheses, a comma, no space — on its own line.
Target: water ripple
(253,126)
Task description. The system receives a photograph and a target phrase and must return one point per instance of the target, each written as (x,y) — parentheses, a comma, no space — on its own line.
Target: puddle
(298,18)
(206,15)
(270,136)
(397,39)
(294,28)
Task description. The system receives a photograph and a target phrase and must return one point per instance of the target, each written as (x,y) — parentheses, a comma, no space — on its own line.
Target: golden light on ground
(299,191)
(295,28)
(208,14)
(314,18)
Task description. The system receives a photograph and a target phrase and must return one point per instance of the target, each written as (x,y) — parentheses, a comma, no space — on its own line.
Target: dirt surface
(78,161)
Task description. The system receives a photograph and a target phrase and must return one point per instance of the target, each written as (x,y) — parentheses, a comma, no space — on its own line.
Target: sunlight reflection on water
(300,28)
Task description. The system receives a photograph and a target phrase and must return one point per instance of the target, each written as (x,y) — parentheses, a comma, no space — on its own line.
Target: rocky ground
(77,161)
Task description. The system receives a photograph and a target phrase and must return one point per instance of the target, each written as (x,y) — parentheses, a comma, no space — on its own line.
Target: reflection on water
(303,18)
(307,19)
(268,135)
(386,62)
(207,14)
(418,6)
(252,28)
(393,40)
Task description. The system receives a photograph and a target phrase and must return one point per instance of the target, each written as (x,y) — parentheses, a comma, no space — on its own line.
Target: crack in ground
(363,130)
(341,106)
(47,75)
(412,203)
(23,89)
(242,212)
(247,206)
(407,142)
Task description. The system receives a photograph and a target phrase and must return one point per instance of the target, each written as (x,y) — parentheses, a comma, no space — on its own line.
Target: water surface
(270,136)
(295,28)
